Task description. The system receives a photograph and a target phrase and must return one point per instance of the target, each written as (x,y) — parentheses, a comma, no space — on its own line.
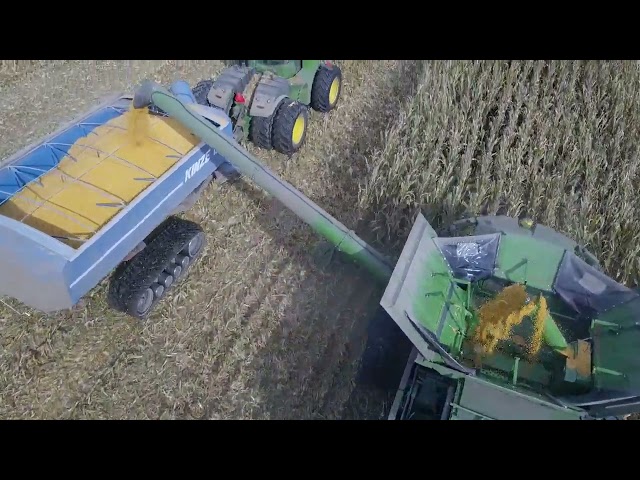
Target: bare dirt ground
(259,329)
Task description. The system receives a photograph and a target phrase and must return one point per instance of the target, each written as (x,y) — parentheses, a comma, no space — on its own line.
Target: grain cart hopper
(99,194)
(267,100)
(509,320)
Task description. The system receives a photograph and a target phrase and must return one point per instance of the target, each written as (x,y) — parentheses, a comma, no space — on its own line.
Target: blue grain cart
(99,195)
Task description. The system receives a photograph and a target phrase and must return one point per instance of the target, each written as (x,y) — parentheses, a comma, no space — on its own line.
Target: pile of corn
(498,317)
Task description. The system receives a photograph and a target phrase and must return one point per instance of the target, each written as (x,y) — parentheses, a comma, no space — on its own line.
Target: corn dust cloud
(493,315)
(138,125)
(498,317)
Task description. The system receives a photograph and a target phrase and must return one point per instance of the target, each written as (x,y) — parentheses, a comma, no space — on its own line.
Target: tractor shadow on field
(309,365)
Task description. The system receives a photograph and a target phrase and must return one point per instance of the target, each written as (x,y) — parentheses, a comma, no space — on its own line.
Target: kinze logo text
(193,169)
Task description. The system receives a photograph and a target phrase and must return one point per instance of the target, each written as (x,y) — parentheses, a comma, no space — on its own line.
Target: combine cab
(267,100)
(511,321)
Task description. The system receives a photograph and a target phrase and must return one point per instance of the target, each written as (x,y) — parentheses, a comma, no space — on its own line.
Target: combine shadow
(315,379)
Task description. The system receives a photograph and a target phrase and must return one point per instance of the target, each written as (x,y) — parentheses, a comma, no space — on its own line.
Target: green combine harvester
(508,319)
(511,320)
(268,100)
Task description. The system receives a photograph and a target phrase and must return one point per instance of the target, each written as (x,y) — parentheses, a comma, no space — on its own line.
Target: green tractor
(268,100)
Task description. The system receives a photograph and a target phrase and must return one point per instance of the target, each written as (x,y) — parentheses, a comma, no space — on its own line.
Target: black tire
(286,116)
(321,100)
(201,90)
(134,281)
(260,131)
(385,355)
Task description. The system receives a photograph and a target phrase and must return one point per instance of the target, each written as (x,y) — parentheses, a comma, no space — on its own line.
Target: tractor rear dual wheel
(290,127)
(284,131)
(260,132)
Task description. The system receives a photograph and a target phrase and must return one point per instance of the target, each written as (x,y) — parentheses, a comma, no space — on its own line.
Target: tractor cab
(518,321)
(281,68)
(286,69)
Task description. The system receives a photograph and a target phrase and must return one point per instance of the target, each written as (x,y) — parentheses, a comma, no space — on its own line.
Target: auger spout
(553,336)
(324,224)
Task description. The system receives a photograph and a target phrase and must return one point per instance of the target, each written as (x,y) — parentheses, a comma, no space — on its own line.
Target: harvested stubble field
(259,329)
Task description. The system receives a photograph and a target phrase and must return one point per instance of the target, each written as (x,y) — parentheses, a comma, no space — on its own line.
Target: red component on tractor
(328,63)
(239,98)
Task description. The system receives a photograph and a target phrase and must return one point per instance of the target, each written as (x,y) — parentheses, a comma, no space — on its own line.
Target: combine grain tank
(97,192)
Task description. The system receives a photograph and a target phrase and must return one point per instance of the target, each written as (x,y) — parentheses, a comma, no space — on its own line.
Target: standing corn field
(555,140)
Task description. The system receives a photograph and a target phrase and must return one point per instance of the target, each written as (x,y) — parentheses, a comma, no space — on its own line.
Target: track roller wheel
(138,284)
(260,131)
(201,90)
(326,88)
(290,127)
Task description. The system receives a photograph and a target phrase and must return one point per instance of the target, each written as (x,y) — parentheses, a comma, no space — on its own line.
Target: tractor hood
(429,296)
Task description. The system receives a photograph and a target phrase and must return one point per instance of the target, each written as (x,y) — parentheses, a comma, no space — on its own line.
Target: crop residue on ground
(258,329)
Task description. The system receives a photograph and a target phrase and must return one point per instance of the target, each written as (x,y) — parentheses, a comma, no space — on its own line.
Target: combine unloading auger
(335,232)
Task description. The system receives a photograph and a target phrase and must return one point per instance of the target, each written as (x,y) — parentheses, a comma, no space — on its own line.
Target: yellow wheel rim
(298,130)
(333,91)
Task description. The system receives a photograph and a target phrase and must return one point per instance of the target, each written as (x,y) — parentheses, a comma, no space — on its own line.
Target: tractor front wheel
(326,88)
(290,127)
